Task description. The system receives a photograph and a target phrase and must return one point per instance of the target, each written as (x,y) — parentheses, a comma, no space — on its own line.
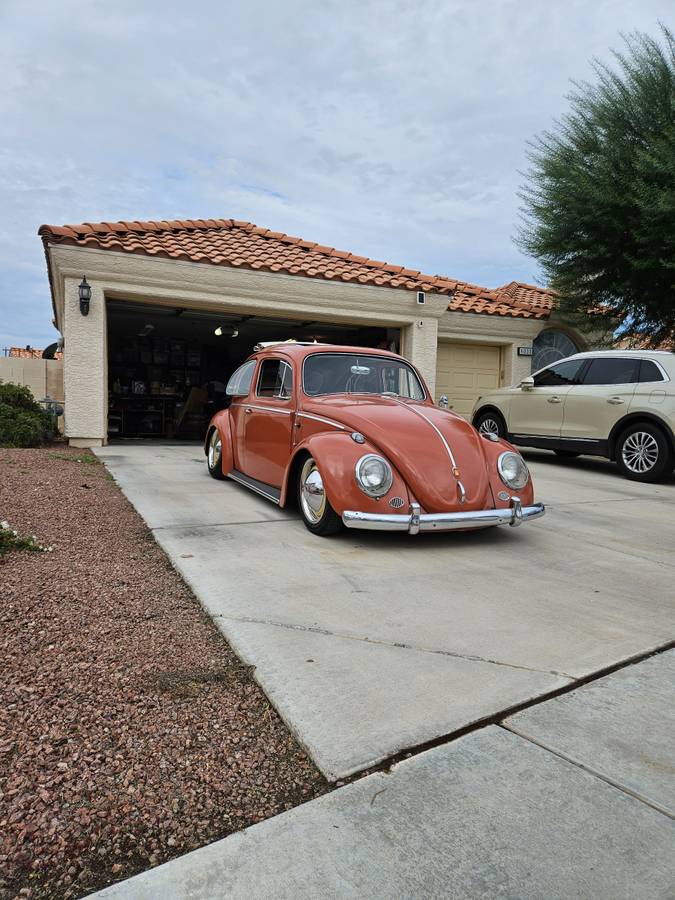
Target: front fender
(336,456)
(221,421)
(492,450)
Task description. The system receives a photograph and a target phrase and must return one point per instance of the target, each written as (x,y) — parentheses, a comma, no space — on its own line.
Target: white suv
(617,403)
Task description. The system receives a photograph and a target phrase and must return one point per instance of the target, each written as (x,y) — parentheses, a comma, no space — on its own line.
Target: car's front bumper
(414,521)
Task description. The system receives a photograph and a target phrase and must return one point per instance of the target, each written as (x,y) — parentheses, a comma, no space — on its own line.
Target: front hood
(405,432)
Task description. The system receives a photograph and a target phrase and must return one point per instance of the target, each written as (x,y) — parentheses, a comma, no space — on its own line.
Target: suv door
(539,410)
(593,407)
(269,423)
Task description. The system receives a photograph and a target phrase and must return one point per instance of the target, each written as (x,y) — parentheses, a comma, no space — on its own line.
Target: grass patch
(88,460)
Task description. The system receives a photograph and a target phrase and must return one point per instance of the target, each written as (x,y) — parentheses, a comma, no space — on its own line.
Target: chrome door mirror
(443,401)
(527,383)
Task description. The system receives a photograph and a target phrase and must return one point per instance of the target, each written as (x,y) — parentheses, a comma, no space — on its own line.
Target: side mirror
(443,401)
(527,383)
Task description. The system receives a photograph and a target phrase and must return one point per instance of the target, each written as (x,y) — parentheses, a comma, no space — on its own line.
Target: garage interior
(168,366)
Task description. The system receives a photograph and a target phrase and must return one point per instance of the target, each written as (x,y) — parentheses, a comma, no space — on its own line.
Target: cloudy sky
(392,129)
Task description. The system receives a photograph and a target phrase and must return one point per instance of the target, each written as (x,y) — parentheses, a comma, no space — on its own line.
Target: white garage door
(464,371)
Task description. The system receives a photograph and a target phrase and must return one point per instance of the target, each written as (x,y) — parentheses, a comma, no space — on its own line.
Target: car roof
(300,350)
(588,353)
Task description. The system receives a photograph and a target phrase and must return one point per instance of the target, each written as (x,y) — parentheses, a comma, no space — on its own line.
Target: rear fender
(336,456)
(221,421)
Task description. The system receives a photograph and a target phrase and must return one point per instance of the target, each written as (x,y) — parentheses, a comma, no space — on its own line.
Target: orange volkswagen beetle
(353,435)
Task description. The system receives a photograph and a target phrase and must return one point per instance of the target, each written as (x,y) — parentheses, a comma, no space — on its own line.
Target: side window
(275,379)
(649,371)
(564,373)
(610,370)
(240,381)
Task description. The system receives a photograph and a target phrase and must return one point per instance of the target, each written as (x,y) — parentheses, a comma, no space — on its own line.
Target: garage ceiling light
(232,332)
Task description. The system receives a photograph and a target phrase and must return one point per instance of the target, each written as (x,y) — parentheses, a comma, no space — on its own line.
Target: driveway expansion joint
(589,769)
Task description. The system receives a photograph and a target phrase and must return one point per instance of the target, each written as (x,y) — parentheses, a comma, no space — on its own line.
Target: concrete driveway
(371,644)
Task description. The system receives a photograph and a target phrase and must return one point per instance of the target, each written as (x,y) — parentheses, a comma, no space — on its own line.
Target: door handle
(248,410)
(555,399)
(615,401)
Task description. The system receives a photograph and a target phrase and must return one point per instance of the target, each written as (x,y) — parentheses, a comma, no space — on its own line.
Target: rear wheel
(489,422)
(643,453)
(214,455)
(317,513)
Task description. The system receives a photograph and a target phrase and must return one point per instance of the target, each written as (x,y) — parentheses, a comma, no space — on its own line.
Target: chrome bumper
(414,521)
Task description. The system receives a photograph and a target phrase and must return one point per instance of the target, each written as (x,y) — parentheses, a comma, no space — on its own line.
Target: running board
(265,490)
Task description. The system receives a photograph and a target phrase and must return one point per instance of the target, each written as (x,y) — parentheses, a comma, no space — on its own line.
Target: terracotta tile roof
(29,353)
(227,242)
(529,295)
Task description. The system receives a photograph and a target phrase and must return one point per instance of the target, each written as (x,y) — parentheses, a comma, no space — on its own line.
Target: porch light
(85,296)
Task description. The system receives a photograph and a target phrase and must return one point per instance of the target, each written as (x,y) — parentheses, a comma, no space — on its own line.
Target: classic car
(353,436)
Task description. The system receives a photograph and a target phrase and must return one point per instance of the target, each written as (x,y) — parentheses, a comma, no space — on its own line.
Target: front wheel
(643,454)
(489,422)
(214,455)
(317,513)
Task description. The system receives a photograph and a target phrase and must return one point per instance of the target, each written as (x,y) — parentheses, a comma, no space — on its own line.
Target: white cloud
(395,130)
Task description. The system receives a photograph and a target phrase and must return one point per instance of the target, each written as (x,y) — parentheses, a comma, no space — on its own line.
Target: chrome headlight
(373,475)
(512,470)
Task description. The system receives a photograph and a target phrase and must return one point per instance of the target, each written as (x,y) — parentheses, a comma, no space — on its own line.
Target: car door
(539,410)
(268,422)
(603,397)
(238,388)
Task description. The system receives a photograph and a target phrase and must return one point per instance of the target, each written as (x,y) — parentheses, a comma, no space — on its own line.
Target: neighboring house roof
(226,242)
(29,353)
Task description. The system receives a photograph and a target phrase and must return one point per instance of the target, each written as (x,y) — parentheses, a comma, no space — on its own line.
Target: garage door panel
(464,371)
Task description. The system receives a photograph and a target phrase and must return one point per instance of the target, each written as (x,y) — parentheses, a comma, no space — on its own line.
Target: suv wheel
(489,422)
(643,454)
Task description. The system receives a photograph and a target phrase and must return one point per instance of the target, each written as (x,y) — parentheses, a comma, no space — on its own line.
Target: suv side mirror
(527,383)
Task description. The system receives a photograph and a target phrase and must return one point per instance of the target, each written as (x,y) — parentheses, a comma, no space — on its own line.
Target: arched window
(550,346)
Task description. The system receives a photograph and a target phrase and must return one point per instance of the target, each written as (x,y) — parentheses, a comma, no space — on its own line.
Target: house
(177,305)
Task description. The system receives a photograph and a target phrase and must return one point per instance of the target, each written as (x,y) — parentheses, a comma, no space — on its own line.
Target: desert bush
(23,422)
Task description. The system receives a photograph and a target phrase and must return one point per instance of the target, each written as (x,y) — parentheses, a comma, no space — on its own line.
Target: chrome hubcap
(640,452)
(312,494)
(215,448)
(489,426)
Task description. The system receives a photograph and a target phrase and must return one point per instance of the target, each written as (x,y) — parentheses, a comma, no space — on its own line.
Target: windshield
(355,373)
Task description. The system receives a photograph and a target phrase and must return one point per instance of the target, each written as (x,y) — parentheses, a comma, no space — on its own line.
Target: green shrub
(10,539)
(23,422)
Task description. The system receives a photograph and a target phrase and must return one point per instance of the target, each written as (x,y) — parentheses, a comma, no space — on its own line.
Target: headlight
(373,475)
(512,470)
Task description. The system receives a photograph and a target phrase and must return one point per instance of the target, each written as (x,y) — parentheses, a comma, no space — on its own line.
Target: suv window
(649,371)
(561,374)
(275,379)
(610,370)
(240,381)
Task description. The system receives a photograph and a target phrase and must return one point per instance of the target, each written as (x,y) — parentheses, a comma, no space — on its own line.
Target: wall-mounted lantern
(85,296)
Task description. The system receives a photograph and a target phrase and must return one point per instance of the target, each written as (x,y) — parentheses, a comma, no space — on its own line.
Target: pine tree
(599,206)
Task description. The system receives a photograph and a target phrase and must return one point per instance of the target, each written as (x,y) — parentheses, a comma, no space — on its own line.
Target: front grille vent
(396,502)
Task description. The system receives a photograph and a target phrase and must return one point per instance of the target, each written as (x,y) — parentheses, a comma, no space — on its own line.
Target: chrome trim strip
(428,420)
(555,437)
(254,488)
(302,415)
(282,412)
(458,521)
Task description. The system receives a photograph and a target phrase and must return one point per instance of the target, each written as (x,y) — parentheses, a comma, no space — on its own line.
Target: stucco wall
(44,377)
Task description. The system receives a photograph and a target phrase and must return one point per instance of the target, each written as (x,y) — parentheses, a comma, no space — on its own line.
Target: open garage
(168,366)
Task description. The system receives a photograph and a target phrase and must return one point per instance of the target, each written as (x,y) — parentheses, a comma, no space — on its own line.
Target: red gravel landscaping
(130,733)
